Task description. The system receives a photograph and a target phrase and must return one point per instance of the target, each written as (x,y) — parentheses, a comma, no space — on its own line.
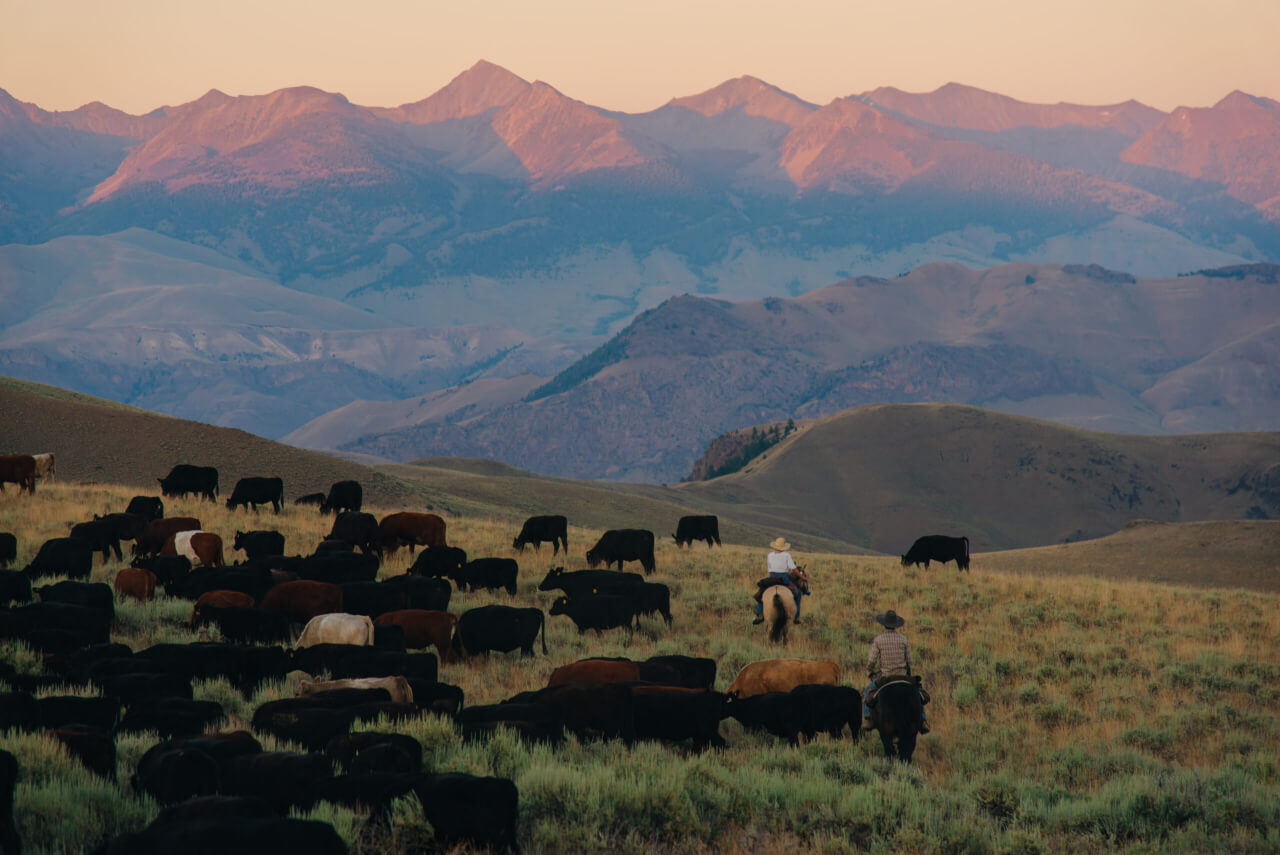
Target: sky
(140,54)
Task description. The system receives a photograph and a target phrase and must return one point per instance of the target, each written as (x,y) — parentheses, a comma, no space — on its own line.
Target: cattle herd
(363,642)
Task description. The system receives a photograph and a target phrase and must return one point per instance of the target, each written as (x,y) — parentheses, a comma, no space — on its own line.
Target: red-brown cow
(223,599)
(136,583)
(411,529)
(594,672)
(303,599)
(423,628)
(152,540)
(21,470)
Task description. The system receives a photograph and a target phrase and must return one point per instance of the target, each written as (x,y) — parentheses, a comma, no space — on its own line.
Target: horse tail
(777,617)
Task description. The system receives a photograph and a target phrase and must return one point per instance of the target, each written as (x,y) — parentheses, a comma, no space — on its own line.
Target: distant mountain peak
(753,95)
(1237,99)
(482,87)
(958,105)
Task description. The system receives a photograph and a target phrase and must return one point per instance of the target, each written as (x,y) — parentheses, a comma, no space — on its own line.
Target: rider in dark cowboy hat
(889,657)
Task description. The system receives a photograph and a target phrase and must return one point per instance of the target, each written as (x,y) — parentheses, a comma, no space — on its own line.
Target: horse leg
(907,745)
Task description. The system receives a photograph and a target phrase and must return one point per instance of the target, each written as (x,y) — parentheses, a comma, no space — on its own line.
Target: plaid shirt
(889,650)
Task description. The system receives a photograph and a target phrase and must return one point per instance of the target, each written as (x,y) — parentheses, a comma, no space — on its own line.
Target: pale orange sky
(141,54)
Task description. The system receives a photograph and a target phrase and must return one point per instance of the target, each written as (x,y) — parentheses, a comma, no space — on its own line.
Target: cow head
(548,583)
(517,545)
(560,606)
(238,540)
(593,559)
(904,561)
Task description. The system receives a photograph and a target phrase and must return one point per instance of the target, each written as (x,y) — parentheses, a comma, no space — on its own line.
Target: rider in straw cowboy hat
(781,566)
(890,657)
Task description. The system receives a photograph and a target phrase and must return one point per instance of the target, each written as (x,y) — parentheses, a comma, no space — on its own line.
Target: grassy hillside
(99,441)
(1069,714)
(881,475)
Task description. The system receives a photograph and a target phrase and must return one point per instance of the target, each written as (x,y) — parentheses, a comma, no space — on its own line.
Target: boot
(759,620)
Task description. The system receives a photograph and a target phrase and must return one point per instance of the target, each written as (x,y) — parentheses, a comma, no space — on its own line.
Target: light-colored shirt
(780,563)
(889,650)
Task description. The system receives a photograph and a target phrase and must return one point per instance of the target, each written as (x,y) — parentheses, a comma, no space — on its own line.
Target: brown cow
(782,675)
(399,688)
(411,529)
(303,599)
(136,583)
(222,599)
(152,540)
(423,628)
(593,672)
(202,548)
(21,470)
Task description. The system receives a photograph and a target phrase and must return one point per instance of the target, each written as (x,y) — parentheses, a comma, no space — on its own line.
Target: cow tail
(966,551)
(542,620)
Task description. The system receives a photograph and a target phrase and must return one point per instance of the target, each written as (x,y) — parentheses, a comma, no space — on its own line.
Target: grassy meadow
(1068,714)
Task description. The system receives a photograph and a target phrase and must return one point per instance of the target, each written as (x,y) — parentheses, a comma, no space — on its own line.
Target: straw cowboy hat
(890,620)
(779,544)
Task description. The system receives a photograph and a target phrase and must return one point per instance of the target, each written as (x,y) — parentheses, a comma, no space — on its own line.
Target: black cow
(596,611)
(372,598)
(356,528)
(603,711)
(148,507)
(18,711)
(430,594)
(91,625)
(250,835)
(693,528)
(501,628)
(694,672)
(371,791)
(256,491)
(588,581)
(940,548)
(371,662)
(8,548)
(212,807)
(169,570)
(94,747)
(259,543)
(128,526)
(439,561)
(91,595)
(281,779)
(336,568)
(533,722)
(623,544)
(9,840)
(678,716)
(14,587)
(778,713)
(828,709)
(488,573)
(437,697)
(374,751)
(61,710)
(538,530)
(170,717)
(251,581)
(61,556)
(172,772)
(343,496)
(135,686)
(241,625)
(101,537)
(467,809)
(185,478)
(310,499)
(245,667)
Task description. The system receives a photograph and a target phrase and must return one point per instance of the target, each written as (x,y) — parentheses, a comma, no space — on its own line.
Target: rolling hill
(883,474)
(1078,344)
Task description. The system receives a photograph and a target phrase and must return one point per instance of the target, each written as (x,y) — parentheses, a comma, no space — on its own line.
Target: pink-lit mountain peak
(753,95)
(480,88)
(956,105)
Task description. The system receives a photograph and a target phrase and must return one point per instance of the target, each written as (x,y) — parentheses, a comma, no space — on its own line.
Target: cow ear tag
(595,590)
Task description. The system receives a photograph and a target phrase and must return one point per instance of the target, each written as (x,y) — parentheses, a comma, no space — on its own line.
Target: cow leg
(116,548)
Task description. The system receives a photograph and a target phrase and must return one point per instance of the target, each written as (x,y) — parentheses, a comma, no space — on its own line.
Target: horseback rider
(890,657)
(782,571)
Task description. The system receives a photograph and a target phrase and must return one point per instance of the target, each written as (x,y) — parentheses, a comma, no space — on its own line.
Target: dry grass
(1069,712)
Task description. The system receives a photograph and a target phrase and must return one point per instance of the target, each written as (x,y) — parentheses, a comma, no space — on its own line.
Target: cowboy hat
(890,620)
(779,544)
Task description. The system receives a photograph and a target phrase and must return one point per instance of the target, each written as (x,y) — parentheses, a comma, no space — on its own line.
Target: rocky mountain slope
(1082,345)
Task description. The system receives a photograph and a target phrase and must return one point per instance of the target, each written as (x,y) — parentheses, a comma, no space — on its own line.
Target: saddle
(874,694)
(765,584)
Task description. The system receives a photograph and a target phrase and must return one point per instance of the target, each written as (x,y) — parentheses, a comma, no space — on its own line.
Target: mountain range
(298,265)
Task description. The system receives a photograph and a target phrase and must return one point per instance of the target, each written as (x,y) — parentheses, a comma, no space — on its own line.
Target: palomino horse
(779,612)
